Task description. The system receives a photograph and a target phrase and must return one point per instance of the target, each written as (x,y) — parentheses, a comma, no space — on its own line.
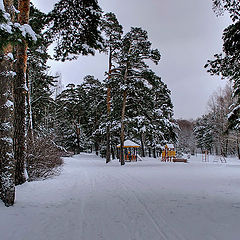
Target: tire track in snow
(95,179)
(159,227)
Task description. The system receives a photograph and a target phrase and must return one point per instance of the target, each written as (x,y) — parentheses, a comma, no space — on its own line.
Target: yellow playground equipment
(169,153)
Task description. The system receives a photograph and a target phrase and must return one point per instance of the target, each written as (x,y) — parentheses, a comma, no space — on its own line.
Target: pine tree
(74,24)
(19,89)
(203,131)
(135,49)
(113,33)
(71,116)
(150,112)
(7,163)
(232,6)
(95,110)
(162,122)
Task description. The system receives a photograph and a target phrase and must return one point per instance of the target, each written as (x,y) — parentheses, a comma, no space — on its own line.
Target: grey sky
(186,32)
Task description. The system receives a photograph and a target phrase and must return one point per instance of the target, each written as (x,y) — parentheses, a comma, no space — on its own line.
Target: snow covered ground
(147,200)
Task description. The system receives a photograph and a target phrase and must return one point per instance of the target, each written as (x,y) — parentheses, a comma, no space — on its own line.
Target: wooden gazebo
(129,151)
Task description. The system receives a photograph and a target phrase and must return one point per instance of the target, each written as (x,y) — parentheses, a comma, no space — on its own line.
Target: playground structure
(169,153)
(129,151)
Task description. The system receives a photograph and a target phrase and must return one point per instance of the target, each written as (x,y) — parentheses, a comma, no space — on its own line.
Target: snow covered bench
(179,160)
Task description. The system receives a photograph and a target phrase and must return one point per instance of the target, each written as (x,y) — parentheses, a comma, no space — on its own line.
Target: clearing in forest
(143,200)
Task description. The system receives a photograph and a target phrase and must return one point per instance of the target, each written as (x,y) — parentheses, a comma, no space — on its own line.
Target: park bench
(179,160)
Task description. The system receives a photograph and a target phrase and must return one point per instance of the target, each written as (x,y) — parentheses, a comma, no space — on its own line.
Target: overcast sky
(186,32)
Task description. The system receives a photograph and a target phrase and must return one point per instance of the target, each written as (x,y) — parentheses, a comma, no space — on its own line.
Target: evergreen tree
(149,112)
(19,89)
(7,163)
(74,24)
(164,128)
(39,83)
(135,49)
(95,110)
(71,117)
(113,33)
(203,131)
(232,6)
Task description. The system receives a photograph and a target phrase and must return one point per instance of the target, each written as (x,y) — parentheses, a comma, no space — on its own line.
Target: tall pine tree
(113,33)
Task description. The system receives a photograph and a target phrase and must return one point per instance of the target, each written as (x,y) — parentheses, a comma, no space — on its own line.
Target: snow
(6,27)
(232,112)
(10,55)
(26,30)
(129,143)
(2,5)
(11,73)
(6,139)
(170,145)
(144,200)
(9,103)
(85,47)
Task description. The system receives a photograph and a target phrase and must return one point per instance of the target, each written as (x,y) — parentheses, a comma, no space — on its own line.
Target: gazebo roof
(169,145)
(129,143)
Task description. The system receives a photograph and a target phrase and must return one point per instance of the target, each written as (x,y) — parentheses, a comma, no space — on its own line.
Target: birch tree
(227,63)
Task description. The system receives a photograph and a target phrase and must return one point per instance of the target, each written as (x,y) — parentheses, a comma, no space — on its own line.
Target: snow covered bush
(43,159)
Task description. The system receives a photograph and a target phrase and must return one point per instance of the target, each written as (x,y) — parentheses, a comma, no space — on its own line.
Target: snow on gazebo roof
(169,145)
(129,143)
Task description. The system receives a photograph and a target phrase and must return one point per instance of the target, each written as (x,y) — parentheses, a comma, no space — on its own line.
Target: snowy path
(146,200)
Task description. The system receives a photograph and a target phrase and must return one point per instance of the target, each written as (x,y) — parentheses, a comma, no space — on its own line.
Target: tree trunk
(154,152)
(20,97)
(8,4)
(238,148)
(96,148)
(122,127)
(113,153)
(123,117)
(142,145)
(78,136)
(149,152)
(78,144)
(7,163)
(226,148)
(108,147)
